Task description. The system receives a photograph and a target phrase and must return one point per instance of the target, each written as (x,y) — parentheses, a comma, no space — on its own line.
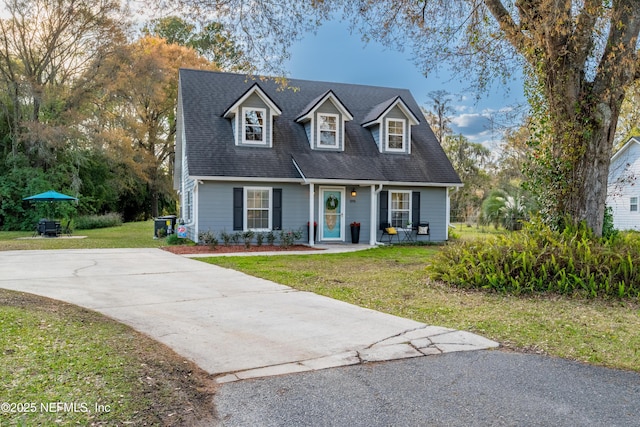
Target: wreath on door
(331,203)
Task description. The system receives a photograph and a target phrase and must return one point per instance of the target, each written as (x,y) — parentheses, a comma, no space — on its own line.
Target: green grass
(393,280)
(465,231)
(106,373)
(128,235)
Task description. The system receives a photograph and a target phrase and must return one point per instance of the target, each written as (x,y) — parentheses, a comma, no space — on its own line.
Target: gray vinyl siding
(433,205)
(307,130)
(358,209)
(188,185)
(216,205)
(432,210)
(375,132)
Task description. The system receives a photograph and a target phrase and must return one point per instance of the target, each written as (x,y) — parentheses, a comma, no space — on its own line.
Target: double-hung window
(257,208)
(254,125)
(395,134)
(400,208)
(188,206)
(633,201)
(327,130)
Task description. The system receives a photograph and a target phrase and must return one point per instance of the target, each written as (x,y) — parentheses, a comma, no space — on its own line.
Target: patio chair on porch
(423,230)
(388,230)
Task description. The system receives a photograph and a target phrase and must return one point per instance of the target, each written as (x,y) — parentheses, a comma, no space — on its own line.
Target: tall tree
(138,117)
(47,50)
(581,54)
(439,115)
(470,160)
(211,40)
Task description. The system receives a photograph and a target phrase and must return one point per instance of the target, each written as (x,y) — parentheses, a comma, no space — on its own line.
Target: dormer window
(324,121)
(390,124)
(395,135)
(328,130)
(251,118)
(254,121)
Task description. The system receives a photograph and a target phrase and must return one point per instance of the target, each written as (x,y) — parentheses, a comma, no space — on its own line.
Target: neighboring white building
(623,191)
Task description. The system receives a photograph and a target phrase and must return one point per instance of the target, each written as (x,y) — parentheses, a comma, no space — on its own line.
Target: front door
(332,213)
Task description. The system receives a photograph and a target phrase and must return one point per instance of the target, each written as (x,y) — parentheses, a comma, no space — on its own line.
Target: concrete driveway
(233,325)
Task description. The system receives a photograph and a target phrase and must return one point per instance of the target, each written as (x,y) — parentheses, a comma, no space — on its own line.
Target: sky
(335,55)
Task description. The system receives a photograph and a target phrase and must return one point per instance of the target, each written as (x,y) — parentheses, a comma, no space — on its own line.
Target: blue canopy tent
(51,197)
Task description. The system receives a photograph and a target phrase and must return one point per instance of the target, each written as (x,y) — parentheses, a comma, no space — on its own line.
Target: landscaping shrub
(173,239)
(89,222)
(208,238)
(540,260)
(287,238)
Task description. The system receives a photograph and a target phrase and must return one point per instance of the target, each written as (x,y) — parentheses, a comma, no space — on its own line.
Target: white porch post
(311,210)
(373,232)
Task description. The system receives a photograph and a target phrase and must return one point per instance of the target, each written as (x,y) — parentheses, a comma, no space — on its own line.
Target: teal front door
(331,214)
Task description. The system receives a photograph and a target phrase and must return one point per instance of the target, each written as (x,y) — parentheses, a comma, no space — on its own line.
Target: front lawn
(393,280)
(128,235)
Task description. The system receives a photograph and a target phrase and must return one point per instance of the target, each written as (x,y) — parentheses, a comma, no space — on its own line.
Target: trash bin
(159,228)
(163,226)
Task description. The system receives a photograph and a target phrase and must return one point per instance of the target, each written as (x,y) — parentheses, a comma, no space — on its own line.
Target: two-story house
(252,154)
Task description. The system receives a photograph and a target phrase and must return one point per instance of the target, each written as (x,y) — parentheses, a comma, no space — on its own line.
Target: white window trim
(243,125)
(337,131)
(404,135)
(632,204)
(245,208)
(391,210)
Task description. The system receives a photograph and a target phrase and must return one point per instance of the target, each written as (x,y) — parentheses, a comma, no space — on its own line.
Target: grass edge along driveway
(392,280)
(65,365)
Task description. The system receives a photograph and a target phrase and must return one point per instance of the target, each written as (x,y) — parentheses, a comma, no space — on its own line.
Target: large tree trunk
(557,39)
(583,125)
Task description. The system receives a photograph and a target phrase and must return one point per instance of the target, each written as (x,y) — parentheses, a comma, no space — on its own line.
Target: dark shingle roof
(211,151)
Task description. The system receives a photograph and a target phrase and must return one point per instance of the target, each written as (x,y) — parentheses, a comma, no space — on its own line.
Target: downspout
(194,206)
(373,232)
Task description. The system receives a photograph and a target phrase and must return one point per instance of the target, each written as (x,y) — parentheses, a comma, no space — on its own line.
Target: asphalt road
(481,388)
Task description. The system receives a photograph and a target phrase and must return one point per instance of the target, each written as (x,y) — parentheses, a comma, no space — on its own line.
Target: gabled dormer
(323,120)
(252,118)
(390,124)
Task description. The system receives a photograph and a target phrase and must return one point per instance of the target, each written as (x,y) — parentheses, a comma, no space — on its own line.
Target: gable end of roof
(255,88)
(317,102)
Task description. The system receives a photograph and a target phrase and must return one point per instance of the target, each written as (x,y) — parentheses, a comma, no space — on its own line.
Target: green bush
(173,239)
(540,260)
(90,222)
(208,238)
(288,238)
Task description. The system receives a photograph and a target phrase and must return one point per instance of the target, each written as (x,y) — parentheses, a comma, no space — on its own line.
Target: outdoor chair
(51,228)
(390,231)
(67,228)
(423,229)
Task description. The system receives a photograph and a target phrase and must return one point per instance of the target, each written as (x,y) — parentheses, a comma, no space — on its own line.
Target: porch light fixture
(353,192)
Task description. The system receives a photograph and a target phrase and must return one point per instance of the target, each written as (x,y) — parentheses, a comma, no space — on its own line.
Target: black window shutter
(383,217)
(277,209)
(238,204)
(415,208)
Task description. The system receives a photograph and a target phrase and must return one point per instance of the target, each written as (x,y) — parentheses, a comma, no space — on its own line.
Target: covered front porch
(418,212)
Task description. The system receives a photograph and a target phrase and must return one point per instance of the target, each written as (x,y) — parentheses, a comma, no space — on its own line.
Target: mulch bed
(222,249)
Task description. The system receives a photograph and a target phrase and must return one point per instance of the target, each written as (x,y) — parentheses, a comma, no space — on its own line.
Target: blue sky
(335,55)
